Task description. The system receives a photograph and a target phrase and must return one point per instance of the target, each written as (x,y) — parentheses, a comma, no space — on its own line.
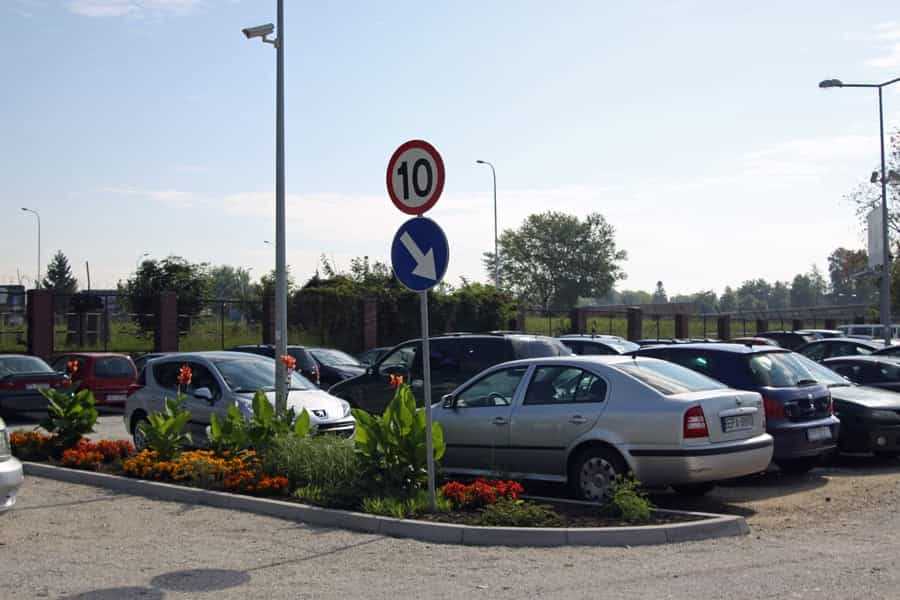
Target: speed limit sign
(415,177)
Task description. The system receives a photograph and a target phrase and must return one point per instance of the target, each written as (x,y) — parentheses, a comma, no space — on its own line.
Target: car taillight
(132,389)
(7,385)
(695,423)
(774,409)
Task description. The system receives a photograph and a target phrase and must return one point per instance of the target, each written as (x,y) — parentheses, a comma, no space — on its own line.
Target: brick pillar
(578,318)
(165,337)
(830,323)
(797,324)
(762,325)
(635,323)
(723,327)
(370,323)
(268,320)
(682,326)
(39,313)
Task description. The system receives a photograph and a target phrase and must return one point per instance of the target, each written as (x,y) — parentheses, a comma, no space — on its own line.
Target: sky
(696,128)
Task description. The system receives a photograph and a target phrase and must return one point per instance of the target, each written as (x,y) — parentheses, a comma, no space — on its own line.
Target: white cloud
(886,61)
(121,8)
(170,197)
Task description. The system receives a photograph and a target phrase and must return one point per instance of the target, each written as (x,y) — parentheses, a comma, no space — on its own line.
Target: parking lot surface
(832,533)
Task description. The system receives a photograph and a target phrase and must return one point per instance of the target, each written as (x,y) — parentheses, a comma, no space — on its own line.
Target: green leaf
(302,424)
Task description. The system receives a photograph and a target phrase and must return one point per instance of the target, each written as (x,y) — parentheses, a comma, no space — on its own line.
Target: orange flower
(72,367)
(396,380)
(289,361)
(184,375)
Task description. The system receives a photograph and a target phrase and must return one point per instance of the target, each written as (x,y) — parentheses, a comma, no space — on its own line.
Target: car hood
(866,396)
(314,401)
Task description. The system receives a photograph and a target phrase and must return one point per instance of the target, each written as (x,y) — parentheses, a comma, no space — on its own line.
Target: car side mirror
(448,401)
(204,393)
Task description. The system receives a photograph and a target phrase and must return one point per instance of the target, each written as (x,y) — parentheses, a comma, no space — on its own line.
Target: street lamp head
(260,31)
(480,162)
(830,83)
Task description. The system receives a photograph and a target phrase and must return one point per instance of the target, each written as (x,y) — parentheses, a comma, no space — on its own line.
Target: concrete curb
(712,526)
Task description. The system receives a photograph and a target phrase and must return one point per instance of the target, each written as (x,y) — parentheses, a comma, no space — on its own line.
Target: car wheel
(797,466)
(694,489)
(137,437)
(593,473)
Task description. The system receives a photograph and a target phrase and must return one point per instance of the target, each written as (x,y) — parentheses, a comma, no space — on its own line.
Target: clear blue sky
(696,128)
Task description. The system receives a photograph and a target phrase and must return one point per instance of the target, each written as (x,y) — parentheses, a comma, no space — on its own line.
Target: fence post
(370,323)
(830,323)
(268,320)
(165,336)
(635,323)
(797,324)
(39,312)
(723,327)
(681,326)
(521,314)
(761,325)
(578,318)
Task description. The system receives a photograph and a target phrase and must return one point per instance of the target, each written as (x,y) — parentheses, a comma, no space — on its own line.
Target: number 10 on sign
(415,177)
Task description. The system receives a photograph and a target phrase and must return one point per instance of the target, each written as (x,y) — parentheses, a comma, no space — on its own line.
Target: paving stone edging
(713,526)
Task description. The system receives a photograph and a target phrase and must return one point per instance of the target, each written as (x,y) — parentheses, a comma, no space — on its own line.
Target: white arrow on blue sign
(420,254)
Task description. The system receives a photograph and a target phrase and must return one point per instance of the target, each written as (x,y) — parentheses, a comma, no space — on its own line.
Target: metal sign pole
(426,372)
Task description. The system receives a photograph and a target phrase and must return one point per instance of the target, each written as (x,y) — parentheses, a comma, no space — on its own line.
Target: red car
(106,374)
(21,380)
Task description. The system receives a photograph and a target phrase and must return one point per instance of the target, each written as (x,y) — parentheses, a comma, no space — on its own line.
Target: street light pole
(885,304)
(496,250)
(263,31)
(37,283)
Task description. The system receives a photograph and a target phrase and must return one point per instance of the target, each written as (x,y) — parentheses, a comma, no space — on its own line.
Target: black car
(822,334)
(893,351)
(789,339)
(371,356)
(21,380)
(835,347)
(335,366)
(599,344)
(873,371)
(141,361)
(799,413)
(870,418)
(306,365)
(454,360)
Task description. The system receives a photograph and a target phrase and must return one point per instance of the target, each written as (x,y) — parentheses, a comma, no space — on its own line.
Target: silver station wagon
(585,420)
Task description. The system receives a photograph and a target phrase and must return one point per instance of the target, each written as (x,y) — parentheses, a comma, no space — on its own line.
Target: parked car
(106,374)
(822,334)
(868,331)
(370,357)
(754,341)
(306,364)
(889,351)
(335,366)
(597,344)
(222,379)
(454,359)
(11,474)
(870,417)
(21,380)
(586,420)
(141,361)
(789,339)
(656,342)
(835,347)
(799,413)
(873,371)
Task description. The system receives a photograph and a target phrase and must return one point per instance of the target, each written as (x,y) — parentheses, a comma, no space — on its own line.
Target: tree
(229,283)
(635,297)
(781,295)
(659,296)
(554,258)
(867,194)
(59,275)
(848,285)
(190,281)
(728,301)
(753,295)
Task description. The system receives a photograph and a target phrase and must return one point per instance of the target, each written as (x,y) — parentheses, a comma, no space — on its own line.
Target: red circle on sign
(434,194)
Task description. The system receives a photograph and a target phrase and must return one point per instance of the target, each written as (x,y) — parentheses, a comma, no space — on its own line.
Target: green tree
(867,194)
(229,283)
(59,275)
(635,297)
(845,269)
(190,281)
(659,296)
(780,296)
(554,258)
(754,295)
(728,301)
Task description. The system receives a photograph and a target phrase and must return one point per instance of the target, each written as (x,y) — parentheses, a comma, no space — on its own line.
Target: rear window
(114,367)
(476,355)
(334,358)
(780,369)
(15,365)
(538,348)
(668,378)
(304,359)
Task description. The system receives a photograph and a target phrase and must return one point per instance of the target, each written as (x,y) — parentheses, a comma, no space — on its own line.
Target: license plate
(37,386)
(817,434)
(115,397)
(737,423)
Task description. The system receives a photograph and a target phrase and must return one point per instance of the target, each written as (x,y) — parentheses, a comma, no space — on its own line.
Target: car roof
(606,359)
(859,341)
(211,354)
(92,354)
(14,355)
(724,347)
(869,358)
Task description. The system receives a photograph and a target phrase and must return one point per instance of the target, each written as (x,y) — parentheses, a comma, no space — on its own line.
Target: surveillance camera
(259,31)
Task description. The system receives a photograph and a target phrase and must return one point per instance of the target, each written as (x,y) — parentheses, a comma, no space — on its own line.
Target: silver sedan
(585,420)
(11,474)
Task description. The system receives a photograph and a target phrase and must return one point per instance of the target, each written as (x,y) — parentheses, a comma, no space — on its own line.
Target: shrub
(233,432)
(70,415)
(519,513)
(392,446)
(628,502)
(324,461)
(164,432)
(90,455)
(400,508)
(481,492)
(31,445)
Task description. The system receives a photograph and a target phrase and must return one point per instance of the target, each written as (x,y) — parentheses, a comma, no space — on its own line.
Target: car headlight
(5,448)
(345,408)
(884,415)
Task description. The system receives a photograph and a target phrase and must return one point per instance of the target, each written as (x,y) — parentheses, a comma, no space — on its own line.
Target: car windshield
(782,369)
(821,373)
(623,346)
(17,365)
(334,358)
(668,378)
(253,374)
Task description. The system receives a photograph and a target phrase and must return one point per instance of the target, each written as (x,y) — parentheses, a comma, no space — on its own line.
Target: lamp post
(496,251)
(885,252)
(263,32)
(37,283)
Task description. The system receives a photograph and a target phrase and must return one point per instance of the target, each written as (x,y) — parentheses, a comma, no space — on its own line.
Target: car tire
(137,438)
(593,472)
(694,489)
(797,466)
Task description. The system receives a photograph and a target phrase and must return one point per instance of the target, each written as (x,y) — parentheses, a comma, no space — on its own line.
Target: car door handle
(577,420)
(500,421)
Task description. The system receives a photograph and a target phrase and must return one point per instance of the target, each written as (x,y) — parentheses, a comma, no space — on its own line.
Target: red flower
(481,492)
(289,361)
(72,368)
(396,380)
(184,375)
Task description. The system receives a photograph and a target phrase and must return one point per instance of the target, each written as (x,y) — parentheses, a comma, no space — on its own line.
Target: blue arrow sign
(420,254)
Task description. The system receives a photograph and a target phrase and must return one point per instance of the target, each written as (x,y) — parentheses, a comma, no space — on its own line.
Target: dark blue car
(799,410)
